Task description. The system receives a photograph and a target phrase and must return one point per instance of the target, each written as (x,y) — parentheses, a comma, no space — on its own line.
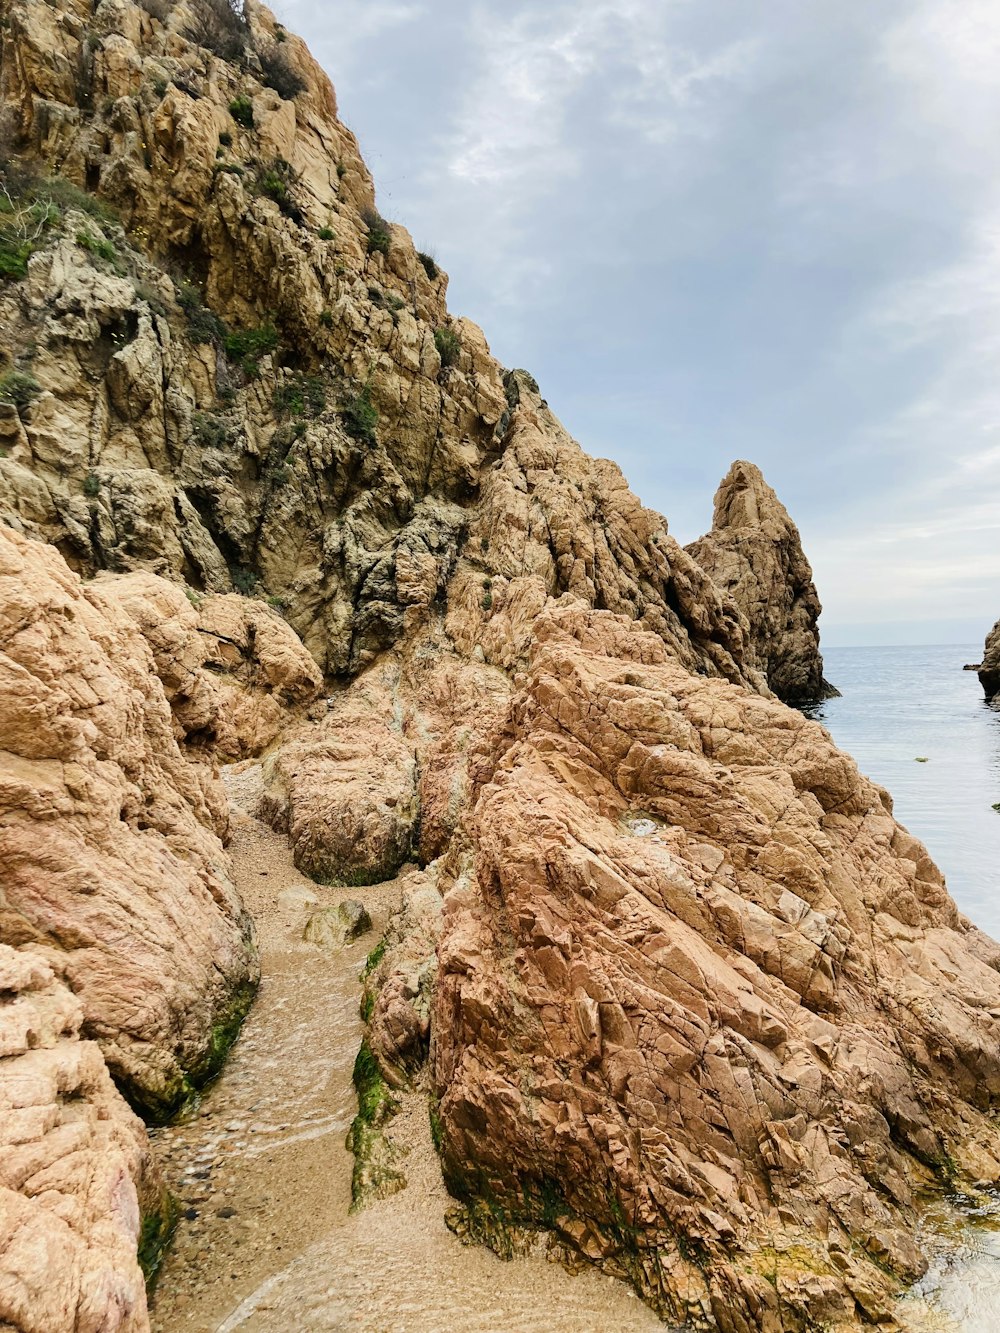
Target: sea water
(918,724)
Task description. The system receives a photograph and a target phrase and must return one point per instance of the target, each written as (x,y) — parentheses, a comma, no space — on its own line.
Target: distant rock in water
(754,553)
(989,669)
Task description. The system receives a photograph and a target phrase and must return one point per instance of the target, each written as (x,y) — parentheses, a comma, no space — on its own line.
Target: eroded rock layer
(754,553)
(76,1176)
(111,860)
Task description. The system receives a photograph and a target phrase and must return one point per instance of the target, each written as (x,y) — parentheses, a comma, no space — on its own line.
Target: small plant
(244,581)
(249,346)
(160,88)
(226,139)
(99,246)
(280,35)
(210,431)
(19,388)
(394,303)
(304,393)
(341,171)
(375,296)
(430,267)
(277,181)
(379,236)
(361,417)
(91,485)
(230,169)
(279,604)
(484,544)
(448,344)
(241,110)
(326,234)
(278,72)
(326,319)
(204,325)
(195,598)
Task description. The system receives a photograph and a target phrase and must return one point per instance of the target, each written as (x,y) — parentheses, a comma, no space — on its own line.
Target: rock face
(754,554)
(989,668)
(711,1016)
(110,853)
(75,1168)
(688,995)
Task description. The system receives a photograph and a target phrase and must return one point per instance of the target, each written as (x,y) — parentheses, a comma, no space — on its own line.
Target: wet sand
(266,1241)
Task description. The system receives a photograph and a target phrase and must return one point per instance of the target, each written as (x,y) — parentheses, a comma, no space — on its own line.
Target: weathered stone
(755,555)
(989,668)
(110,853)
(332,927)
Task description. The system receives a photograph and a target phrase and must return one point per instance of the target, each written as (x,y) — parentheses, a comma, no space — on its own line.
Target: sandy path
(266,1242)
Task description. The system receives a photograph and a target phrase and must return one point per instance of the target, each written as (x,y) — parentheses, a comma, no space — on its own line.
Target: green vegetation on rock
(375,1175)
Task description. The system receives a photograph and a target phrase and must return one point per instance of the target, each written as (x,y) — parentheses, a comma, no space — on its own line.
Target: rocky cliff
(689,1000)
(755,554)
(989,668)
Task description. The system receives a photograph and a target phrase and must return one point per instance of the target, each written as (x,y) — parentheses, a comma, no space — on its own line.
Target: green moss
(367,1006)
(157,1229)
(325,234)
(373,960)
(375,1175)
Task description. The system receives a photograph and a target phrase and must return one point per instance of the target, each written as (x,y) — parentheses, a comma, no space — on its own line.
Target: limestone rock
(110,853)
(332,927)
(754,554)
(711,1016)
(989,668)
(75,1168)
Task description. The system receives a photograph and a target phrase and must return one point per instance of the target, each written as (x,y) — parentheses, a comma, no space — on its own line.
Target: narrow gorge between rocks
(265,1239)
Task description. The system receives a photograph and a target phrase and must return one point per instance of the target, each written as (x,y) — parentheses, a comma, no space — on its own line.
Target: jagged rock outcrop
(707,1012)
(989,668)
(324,452)
(754,554)
(235,674)
(110,854)
(77,1182)
(698,1004)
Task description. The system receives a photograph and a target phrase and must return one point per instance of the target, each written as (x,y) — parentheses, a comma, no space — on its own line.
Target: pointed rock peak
(754,553)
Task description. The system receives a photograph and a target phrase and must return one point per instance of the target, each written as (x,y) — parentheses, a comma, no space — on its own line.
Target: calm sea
(900,706)
(903,705)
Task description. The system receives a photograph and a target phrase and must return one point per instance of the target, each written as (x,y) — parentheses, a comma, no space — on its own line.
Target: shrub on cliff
(448,344)
(361,417)
(379,235)
(248,346)
(19,388)
(220,26)
(278,72)
(277,180)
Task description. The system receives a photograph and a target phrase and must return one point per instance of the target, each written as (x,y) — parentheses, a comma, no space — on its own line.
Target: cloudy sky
(718,229)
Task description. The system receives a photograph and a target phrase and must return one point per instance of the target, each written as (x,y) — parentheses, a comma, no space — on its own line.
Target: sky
(720,229)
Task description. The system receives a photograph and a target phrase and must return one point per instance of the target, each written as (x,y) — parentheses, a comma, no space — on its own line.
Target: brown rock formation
(989,668)
(754,554)
(709,1014)
(75,1169)
(699,1004)
(110,854)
